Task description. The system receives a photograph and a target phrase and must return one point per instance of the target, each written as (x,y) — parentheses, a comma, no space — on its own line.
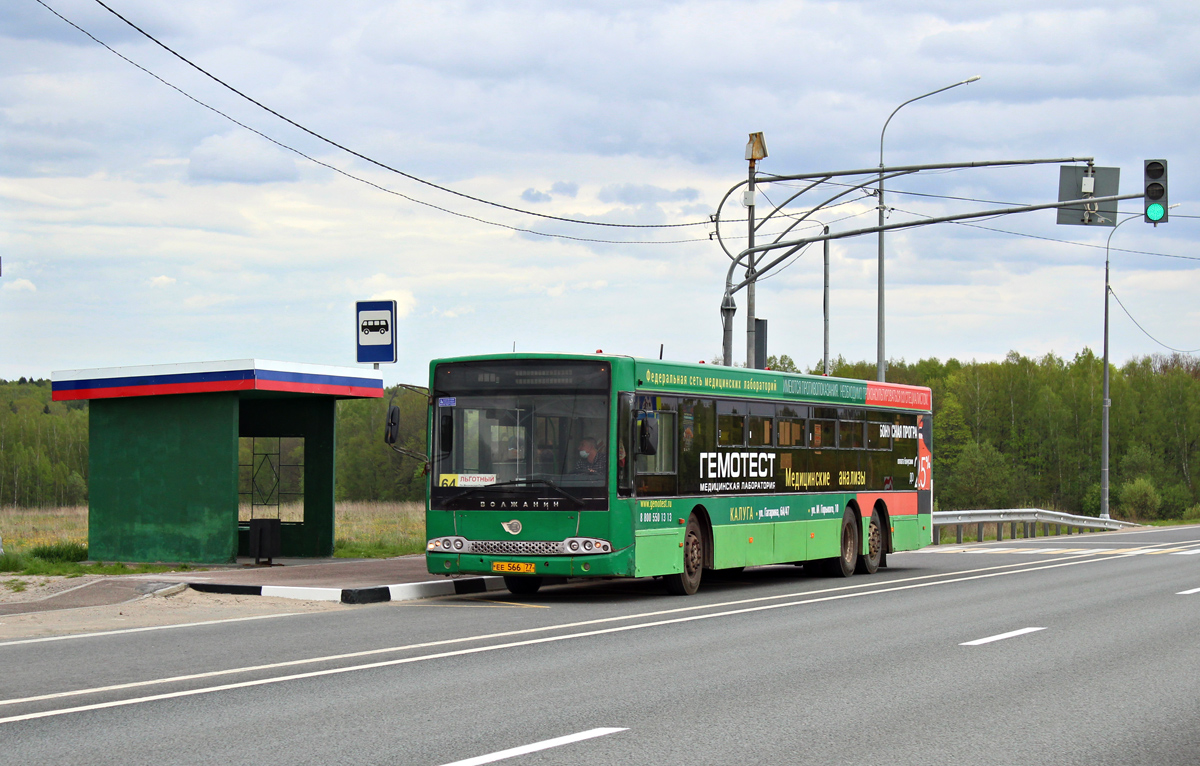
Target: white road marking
(142,630)
(1192,552)
(1001,637)
(500,755)
(510,645)
(992,571)
(448,641)
(1188,592)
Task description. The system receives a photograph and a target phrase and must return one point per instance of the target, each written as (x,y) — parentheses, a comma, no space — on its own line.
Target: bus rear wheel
(687,582)
(522,586)
(868,563)
(844,564)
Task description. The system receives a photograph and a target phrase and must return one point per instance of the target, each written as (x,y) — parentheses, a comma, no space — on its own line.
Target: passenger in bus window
(590,460)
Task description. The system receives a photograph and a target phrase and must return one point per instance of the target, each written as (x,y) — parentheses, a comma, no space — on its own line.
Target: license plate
(514,566)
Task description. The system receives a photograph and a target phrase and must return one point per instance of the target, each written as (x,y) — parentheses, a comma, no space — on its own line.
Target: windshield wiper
(519,483)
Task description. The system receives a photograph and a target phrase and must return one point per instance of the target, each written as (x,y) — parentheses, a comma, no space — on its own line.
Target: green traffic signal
(1154,183)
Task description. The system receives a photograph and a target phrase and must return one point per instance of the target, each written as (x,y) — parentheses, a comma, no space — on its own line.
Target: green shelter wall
(164,478)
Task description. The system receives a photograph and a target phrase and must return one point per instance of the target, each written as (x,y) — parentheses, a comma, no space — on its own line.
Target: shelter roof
(241,375)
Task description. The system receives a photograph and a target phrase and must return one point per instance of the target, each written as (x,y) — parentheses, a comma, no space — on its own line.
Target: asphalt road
(772,667)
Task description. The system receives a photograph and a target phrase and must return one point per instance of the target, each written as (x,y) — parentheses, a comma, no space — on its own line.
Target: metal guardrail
(1028,517)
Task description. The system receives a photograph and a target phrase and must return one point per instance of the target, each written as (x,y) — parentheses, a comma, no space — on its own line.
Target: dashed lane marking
(546,744)
(1000,637)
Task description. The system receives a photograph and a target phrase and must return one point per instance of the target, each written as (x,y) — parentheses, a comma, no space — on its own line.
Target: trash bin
(265,539)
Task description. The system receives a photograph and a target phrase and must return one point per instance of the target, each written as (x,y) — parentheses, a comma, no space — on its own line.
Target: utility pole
(825,367)
(756,149)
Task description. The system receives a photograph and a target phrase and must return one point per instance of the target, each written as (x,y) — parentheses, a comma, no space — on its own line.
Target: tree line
(1022,432)
(43,446)
(1025,431)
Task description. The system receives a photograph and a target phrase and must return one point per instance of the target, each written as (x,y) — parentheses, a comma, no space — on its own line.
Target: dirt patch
(188,606)
(19,588)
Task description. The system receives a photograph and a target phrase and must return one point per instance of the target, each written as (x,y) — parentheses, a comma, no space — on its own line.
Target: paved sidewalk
(350,581)
(99,592)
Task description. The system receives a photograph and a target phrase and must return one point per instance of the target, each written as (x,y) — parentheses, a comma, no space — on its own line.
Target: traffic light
(1156,191)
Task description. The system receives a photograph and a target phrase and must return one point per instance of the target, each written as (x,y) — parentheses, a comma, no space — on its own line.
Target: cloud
(565,188)
(162,281)
(206,301)
(533,195)
(21,285)
(240,158)
(641,194)
(383,287)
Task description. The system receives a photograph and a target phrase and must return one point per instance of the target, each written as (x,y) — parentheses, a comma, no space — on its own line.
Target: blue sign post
(376,331)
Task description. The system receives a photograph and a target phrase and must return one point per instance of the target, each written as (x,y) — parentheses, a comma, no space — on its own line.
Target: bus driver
(590,460)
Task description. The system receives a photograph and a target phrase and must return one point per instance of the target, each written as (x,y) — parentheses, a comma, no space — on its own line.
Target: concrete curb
(409,591)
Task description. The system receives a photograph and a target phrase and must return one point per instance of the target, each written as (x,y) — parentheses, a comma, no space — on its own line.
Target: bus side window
(663,460)
(656,474)
(789,425)
(850,428)
(822,428)
(731,424)
(624,444)
(879,434)
(761,425)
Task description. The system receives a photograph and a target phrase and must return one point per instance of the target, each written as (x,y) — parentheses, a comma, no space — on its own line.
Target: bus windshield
(499,444)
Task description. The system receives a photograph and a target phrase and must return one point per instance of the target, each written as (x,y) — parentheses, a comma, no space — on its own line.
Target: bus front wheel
(687,582)
(522,586)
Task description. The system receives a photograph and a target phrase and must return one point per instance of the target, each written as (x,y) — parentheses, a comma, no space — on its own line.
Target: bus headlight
(586,545)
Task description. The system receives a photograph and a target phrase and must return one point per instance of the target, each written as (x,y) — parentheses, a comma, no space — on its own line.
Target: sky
(140,223)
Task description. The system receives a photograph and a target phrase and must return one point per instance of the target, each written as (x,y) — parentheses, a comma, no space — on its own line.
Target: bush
(1193,513)
(60,553)
(980,478)
(1139,499)
(1176,498)
(11,562)
(1091,501)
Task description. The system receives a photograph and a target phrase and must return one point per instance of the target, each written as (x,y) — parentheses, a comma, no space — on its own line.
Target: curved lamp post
(881,362)
(1104,397)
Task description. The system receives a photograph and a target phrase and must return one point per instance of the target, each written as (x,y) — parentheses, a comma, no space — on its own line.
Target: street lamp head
(970,79)
(756,147)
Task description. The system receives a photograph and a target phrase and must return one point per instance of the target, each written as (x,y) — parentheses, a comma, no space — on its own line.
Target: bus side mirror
(391,429)
(647,435)
(446,433)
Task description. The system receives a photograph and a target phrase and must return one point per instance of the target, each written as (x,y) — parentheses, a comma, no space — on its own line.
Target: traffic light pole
(749,256)
(792,246)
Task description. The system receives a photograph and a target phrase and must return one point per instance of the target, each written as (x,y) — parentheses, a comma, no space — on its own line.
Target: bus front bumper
(616,564)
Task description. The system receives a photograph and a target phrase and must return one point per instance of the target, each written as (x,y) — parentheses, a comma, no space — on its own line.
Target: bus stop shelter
(186,460)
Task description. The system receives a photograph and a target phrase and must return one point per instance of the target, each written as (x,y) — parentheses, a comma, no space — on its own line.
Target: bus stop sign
(376,331)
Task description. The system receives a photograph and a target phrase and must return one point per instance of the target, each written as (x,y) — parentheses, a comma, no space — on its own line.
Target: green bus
(551,466)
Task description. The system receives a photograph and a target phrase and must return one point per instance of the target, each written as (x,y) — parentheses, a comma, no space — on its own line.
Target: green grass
(15,585)
(375,549)
(66,559)
(60,553)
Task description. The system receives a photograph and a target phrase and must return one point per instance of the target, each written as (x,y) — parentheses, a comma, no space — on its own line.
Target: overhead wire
(1143,329)
(1052,239)
(352,176)
(376,162)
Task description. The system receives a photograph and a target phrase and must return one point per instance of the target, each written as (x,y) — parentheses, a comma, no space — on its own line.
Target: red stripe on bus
(898,396)
(898,503)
